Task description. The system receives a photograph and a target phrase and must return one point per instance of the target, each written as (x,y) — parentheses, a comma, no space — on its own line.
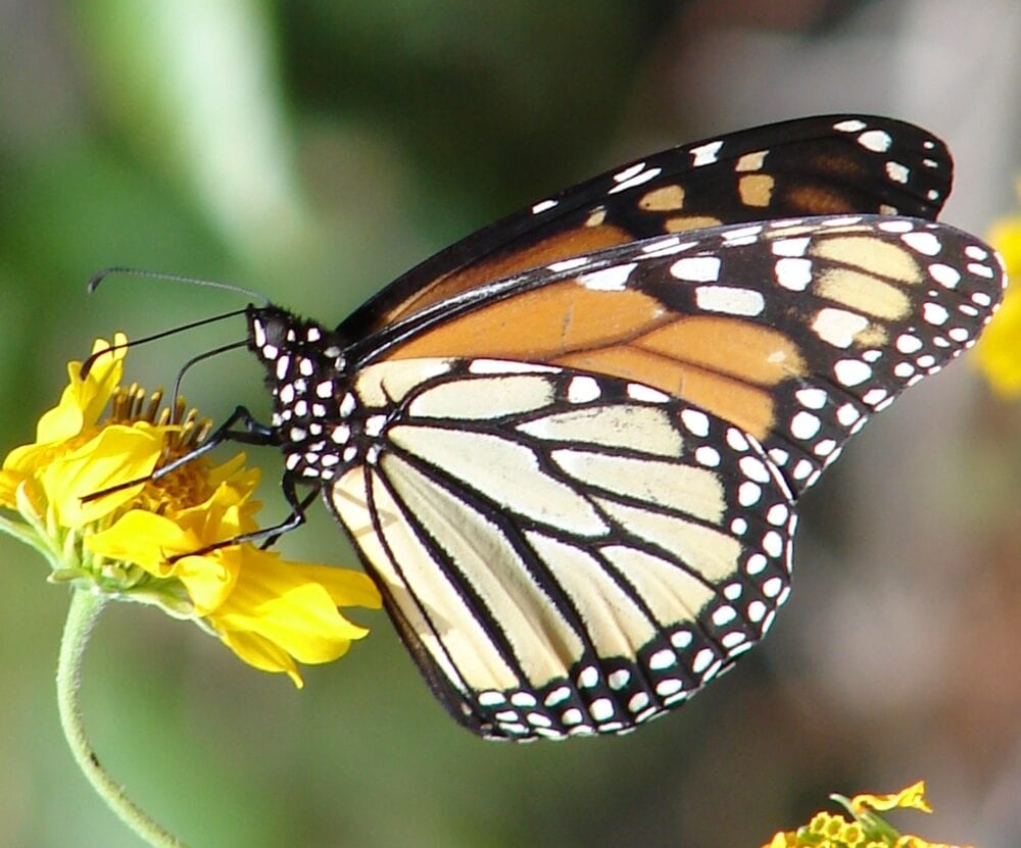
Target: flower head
(865,829)
(87,500)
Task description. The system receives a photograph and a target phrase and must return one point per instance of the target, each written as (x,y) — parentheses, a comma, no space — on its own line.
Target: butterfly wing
(823,165)
(579,492)
(563,553)
(569,447)
(794,331)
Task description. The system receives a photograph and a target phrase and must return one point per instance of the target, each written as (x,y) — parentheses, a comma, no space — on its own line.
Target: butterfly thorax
(317,421)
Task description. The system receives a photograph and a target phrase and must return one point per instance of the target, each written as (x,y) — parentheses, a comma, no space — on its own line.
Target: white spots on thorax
(283,366)
(259,335)
(543,206)
(340,434)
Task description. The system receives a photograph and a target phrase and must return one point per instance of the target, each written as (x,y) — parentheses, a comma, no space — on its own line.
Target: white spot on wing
(850,125)
(583,390)
(838,327)
(569,264)
(697,269)
(705,154)
(794,274)
(793,247)
(925,243)
(935,313)
(897,172)
(613,278)
(851,372)
(730,300)
(878,141)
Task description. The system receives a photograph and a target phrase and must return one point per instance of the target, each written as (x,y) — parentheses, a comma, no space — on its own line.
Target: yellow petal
(262,654)
(209,579)
(9,482)
(912,797)
(276,602)
(116,455)
(145,539)
(998,353)
(83,401)
(346,587)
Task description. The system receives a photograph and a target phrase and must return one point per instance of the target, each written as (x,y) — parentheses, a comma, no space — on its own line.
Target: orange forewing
(724,364)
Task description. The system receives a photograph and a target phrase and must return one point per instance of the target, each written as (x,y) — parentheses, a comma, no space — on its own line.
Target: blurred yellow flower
(865,829)
(998,353)
(152,541)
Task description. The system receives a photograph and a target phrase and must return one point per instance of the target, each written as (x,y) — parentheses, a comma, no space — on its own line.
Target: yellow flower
(154,541)
(865,830)
(998,353)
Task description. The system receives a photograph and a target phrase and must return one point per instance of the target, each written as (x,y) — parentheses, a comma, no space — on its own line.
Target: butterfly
(569,448)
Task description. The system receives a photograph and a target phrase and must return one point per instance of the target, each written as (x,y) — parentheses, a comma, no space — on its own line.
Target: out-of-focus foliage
(315,150)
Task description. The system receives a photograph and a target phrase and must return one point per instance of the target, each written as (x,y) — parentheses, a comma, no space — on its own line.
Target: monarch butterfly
(569,447)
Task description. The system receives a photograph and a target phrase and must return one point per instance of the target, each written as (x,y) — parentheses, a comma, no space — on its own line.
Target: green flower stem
(85,609)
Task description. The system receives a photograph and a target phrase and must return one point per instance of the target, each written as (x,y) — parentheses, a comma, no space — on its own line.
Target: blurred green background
(315,150)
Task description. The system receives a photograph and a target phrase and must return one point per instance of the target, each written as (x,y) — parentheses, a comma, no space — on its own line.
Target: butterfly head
(312,404)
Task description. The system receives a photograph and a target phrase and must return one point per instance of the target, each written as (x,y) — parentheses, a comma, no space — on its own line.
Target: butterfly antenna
(209,354)
(174,278)
(88,363)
